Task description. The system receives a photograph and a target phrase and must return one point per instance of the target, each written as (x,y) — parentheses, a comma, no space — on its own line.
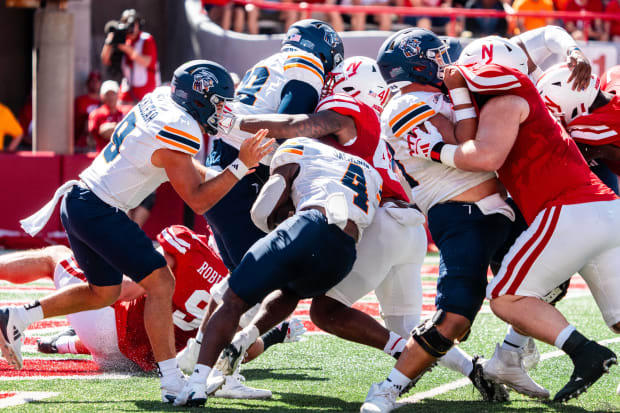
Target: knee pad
(430,339)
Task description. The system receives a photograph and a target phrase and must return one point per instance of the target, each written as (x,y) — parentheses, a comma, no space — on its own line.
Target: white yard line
(23,397)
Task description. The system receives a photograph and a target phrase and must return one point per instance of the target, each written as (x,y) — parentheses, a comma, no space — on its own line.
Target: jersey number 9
(120,133)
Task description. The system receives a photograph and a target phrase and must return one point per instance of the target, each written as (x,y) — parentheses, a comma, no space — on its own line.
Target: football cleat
(47,345)
(530,356)
(170,387)
(506,367)
(11,338)
(234,388)
(490,391)
(232,356)
(381,398)
(193,394)
(590,364)
(188,357)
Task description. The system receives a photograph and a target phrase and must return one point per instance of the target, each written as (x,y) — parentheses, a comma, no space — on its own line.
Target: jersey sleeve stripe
(291,150)
(182,133)
(601,138)
(306,62)
(307,67)
(311,59)
(178,145)
(478,83)
(174,242)
(338,104)
(411,119)
(403,113)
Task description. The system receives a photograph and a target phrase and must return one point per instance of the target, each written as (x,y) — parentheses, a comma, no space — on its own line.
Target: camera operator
(139,60)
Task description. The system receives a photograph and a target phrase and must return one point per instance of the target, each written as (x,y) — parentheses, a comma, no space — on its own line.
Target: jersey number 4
(354,179)
(121,131)
(252,83)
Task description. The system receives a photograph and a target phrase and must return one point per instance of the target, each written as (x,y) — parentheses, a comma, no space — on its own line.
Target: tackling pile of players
(333,206)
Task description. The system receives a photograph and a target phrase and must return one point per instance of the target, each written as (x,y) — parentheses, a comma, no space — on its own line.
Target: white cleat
(188,357)
(193,394)
(295,331)
(170,387)
(11,338)
(381,398)
(232,356)
(233,388)
(530,355)
(506,367)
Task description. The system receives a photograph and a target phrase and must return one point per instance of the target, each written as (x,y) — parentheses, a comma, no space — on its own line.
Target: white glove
(421,143)
(295,330)
(228,122)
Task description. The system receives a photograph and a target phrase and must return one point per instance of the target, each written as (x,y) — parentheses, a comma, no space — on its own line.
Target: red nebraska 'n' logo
(487,50)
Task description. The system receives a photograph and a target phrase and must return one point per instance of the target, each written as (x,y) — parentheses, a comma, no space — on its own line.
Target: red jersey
(139,80)
(368,144)
(102,115)
(83,106)
(602,126)
(544,168)
(197,268)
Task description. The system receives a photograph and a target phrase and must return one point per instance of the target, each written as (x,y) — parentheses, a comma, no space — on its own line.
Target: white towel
(35,222)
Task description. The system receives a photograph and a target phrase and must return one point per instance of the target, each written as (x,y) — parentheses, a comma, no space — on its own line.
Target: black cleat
(490,391)
(47,345)
(590,364)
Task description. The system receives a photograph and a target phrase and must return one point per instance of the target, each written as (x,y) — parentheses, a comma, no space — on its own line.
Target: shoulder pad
(403,113)
(290,151)
(305,67)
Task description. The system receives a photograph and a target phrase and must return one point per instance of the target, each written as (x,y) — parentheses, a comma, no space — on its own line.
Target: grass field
(320,374)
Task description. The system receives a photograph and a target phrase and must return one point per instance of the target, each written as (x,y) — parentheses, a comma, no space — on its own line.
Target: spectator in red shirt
(612,27)
(103,120)
(595,28)
(139,64)
(83,105)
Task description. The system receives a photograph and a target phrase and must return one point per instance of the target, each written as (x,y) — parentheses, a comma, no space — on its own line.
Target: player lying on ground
(115,336)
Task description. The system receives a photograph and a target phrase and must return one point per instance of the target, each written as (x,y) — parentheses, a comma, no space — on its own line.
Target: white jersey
(260,90)
(325,171)
(432,182)
(122,175)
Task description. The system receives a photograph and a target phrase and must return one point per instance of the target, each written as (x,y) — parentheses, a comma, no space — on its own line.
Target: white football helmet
(562,101)
(494,49)
(360,78)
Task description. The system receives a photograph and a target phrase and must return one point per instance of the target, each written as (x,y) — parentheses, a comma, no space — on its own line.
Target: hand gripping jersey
(260,90)
(122,175)
(431,182)
(544,167)
(325,171)
(368,144)
(602,126)
(197,269)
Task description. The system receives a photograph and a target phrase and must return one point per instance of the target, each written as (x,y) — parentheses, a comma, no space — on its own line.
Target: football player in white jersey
(289,81)
(467,214)
(334,196)
(153,144)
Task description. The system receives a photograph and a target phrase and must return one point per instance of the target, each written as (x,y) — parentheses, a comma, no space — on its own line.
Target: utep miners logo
(331,38)
(410,47)
(203,81)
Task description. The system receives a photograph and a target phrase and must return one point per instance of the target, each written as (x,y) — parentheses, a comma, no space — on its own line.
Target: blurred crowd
(252,20)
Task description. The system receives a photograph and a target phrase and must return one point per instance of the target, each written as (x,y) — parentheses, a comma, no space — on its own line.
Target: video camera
(119,29)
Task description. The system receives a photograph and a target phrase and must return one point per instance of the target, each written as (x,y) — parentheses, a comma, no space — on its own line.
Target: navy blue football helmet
(413,55)
(318,38)
(454,47)
(199,86)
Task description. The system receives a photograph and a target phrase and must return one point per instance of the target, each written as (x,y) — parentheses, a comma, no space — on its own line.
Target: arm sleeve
(545,41)
(493,79)
(298,97)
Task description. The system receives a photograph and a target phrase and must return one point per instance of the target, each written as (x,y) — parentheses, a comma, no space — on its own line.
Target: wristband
(238,169)
(467,113)
(444,153)
(460,96)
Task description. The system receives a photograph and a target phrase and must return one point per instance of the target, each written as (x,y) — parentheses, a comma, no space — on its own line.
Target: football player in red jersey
(573,219)
(115,336)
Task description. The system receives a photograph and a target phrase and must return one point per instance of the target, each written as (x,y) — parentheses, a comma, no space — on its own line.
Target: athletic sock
(573,343)
(199,336)
(66,345)
(398,379)
(457,360)
(251,334)
(395,345)
(513,340)
(28,314)
(200,374)
(275,336)
(169,367)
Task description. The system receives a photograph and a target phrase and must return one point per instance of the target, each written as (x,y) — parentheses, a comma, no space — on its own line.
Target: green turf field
(328,374)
